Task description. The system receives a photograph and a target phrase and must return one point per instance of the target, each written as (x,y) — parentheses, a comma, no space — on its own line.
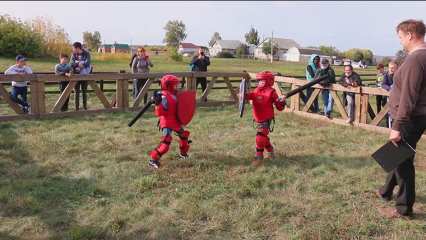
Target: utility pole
(272,47)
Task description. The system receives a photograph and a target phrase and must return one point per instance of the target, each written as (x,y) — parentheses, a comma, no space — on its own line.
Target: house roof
(188,45)
(310,51)
(284,43)
(116,45)
(229,44)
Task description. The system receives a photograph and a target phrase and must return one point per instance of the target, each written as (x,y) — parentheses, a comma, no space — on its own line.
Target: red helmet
(267,77)
(169,82)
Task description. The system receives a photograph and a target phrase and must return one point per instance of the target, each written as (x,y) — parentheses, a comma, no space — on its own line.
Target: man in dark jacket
(407,103)
(350,79)
(326,95)
(80,64)
(199,63)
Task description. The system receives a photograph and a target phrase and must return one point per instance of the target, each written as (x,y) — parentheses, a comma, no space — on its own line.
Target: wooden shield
(186,104)
(242,97)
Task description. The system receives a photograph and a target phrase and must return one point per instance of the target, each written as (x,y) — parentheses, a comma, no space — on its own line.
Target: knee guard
(262,141)
(184,142)
(162,148)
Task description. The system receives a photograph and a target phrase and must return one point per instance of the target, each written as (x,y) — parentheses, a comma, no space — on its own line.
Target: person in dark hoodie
(350,79)
(80,64)
(326,95)
(311,69)
(199,63)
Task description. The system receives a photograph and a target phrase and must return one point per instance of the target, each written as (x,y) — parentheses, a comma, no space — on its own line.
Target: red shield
(186,104)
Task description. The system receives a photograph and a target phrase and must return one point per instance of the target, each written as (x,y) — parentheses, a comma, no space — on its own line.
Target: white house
(283,45)
(295,54)
(188,48)
(224,46)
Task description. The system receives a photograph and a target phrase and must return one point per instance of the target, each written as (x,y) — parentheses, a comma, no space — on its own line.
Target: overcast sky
(341,24)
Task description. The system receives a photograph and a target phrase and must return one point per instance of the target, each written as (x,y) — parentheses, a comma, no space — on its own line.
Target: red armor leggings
(262,142)
(166,140)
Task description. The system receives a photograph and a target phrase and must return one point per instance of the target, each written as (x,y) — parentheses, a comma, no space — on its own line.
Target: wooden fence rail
(120,100)
(365,116)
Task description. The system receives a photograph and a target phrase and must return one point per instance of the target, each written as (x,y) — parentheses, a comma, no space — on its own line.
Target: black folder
(390,157)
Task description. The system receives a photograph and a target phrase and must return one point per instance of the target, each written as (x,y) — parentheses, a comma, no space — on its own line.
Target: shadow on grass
(30,190)
(302,161)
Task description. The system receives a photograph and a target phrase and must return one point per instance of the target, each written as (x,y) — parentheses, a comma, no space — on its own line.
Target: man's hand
(395,137)
(68,74)
(282,98)
(80,65)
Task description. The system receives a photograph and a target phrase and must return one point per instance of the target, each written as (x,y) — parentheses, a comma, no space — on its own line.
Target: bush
(17,37)
(225,55)
(174,55)
(54,39)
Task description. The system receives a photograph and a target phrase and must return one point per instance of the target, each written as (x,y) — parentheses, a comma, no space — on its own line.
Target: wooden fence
(365,116)
(120,100)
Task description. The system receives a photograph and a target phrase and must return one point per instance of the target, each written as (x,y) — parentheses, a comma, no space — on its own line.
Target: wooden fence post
(122,94)
(37,97)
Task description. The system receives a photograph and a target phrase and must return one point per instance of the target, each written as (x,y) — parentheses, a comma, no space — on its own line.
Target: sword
(303,87)
(141,112)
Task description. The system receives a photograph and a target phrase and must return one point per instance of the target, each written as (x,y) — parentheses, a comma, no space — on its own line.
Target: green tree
(241,50)
(92,40)
(55,39)
(17,37)
(356,54)
(252,37)
(329,50)
(175,33)
(266,48)
(400,56)
(216,36)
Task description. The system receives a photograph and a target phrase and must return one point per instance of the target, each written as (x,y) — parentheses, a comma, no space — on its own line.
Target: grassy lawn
(161,63)
(87,178)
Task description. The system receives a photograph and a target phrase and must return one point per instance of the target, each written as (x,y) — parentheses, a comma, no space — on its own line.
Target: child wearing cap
(20,88)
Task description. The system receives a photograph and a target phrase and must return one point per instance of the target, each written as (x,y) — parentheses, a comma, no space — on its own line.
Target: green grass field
(87,177)
(161,63)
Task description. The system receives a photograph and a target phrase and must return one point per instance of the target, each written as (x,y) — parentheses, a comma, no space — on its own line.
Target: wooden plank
(278,89)
(358,108)
(231,90)
(6,97)
(208,88)
(339,105)
(100,94)
(41,97)
(311,100)
(143,91)
(380,115)
(371,111)
(34,97)
(364,108)
(63,97)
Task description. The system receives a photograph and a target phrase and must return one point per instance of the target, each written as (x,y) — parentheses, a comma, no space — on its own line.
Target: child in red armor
(263,98)
(166,110)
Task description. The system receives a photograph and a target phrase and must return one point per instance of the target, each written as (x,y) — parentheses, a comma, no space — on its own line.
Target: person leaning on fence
(63,68)
(350,79)
(80,64)
(388,83)
(199,63)
(141,64)
(380,100)
(326,94)
(407,103)
(20,88)
(311,69)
